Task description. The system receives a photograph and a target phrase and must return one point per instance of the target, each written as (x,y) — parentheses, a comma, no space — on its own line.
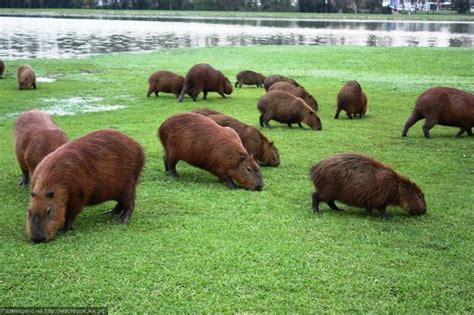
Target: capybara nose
(38,239)
(259,187)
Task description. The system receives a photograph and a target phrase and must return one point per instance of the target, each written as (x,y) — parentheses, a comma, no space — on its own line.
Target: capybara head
(312,101)
(412,198)
(25,81)
(271,156)
(46,213)
(312,120)
(247,173)
(228,87)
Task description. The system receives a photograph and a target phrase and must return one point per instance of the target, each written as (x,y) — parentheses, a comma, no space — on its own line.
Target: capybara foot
(125,215)
(173,173)
(114,211)
(68,227)
(333,206)
(299,125)
(229,182)
(384,214)
(25,179)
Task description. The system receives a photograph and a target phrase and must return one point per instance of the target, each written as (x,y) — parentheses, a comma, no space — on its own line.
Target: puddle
(45,80)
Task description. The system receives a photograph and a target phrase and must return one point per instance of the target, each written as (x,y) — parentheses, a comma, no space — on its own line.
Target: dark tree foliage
(461,6)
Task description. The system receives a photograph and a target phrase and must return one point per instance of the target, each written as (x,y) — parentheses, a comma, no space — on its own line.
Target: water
(29,37)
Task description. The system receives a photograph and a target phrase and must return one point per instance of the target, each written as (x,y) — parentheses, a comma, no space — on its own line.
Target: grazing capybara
(206,112)
(249,77)
(201,142)
(288,109)
(361,181)
(166,82)
(256,144)
(352,99)
(2,68)
(444,106)
(26,77)
(203,77)
(297,91)
(100,166)
(35,135)
(269,81)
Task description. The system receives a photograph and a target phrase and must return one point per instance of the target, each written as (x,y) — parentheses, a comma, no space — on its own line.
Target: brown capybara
(269,81)
(26,77)
(203,77)
(201,142)
(166,82)
(206,112)
(361,181)
(2,68)
(100,166)
(35,135)
(352,99)
(297,91)
(288,109)
(444,106)
(249,77)
(256,144)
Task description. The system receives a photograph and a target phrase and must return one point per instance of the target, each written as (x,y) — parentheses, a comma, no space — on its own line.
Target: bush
(461,6)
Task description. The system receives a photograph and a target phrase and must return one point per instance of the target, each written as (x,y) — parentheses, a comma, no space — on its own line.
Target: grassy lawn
(431,16)
(193,245)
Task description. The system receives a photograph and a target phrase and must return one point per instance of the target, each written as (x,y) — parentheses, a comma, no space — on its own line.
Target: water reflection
(53,37)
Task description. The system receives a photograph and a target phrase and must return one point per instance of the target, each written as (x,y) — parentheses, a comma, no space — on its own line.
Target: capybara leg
(333,206)
(236,83)
(337,113)
(204,97)
(240,85)
(116,210)
(25,178)
(157,93)
(70,218)
(184,90)
(315,202)
(267,124)
(260,119)
(299,124)
(127,202)
(289,125)
(222,94)
(461,131)
(426,128)
(349,115)
(170,166)
(229,182)
(410,122)
(469,132)
(34,86)
(384,214)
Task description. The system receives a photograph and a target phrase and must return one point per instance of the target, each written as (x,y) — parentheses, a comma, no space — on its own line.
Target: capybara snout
(248,174)
(412,199)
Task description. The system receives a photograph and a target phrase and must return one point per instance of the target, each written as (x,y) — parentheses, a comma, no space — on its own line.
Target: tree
(461,6)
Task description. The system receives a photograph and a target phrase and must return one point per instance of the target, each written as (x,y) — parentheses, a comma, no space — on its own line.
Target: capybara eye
(50,194)
(249,169)
(33,194)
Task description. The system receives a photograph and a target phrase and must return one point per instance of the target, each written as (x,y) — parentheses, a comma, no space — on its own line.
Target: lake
(36,37)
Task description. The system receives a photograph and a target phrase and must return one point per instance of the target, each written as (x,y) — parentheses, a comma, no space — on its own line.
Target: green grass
(193,245)
(431,16)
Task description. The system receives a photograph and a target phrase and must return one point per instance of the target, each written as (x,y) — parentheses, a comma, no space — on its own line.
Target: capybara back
(166,82)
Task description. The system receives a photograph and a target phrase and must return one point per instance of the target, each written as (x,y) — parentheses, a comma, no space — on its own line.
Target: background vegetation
(193,245)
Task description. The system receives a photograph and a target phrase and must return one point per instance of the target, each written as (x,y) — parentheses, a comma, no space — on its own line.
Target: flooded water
(29,37)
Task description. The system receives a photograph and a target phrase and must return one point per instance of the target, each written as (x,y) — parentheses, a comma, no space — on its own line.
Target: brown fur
(35,135)
(296,91)
(26,77)
(100,166)
(352,99)
(201,142)
(286,108)
(444,106)
(204,78)
(261,149)
(206,112)
(361,181)
(269,81)
(2,68)
(166,82)
(249,77)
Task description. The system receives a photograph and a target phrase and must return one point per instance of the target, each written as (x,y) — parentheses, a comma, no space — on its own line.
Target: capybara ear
(271,143)
(50,194)
(33,194)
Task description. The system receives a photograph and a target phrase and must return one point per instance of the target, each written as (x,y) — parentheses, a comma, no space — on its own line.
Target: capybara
(270,80)
(352,99)
(297,91)
(206,112)
(361,181)
(203,77)
(201,142)
(249,77)
(444,106)
(100,166)
(26,77)
(2,68)
(166,82)
(286,108)
(256,144)
(35,135)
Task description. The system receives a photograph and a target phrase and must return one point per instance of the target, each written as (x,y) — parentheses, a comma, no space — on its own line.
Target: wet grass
(195,246)
(425,16)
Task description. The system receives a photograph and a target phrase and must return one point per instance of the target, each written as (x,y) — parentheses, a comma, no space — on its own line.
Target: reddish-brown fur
(204,78)
(361,181)
(249,77)
(444,106)
(2,68)
(35,135)
(166,82)
(100,166)
(297,91)
(201,142)
(26,77)
(261,149)
(206,112)
(286,108)
(269,81)
(352,99)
